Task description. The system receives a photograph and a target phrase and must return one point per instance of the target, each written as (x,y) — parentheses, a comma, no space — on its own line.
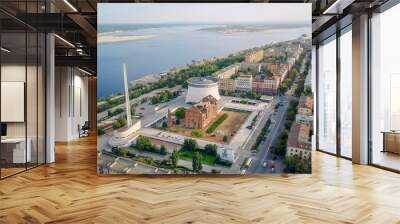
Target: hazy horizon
(203,13)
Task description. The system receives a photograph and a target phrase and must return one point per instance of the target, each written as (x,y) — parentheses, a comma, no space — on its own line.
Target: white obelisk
(127,103)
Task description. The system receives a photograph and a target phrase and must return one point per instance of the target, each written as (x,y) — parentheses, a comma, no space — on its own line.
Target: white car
(265,164)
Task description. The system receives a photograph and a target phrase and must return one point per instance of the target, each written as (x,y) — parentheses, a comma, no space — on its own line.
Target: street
(274,130)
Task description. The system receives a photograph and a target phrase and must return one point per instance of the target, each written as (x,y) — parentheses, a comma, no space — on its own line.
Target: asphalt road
(276,127)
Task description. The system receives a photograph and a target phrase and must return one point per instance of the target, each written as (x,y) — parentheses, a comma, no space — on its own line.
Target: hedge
(216,123)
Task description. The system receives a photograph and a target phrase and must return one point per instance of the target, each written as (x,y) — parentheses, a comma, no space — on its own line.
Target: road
(276,127)
(263,154)
(137,100)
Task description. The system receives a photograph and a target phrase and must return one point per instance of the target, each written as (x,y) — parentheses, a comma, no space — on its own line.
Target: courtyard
(223,133)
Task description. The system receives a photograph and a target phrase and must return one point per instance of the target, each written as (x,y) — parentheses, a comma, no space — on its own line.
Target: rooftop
(202,80)
(299,136)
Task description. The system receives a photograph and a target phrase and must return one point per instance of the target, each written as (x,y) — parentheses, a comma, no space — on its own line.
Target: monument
(124,136)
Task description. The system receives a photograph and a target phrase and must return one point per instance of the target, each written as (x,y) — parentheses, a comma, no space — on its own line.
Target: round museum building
(200,87)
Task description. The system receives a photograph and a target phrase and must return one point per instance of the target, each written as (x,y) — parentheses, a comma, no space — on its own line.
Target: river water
(174,46)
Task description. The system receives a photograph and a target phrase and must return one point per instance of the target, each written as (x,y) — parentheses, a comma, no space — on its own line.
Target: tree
(225,138)
(196,162)
(123,152)
(307,91)
(180,113)
(211,149)
(101,131)
(143,143)
(164,125)
(189,144)
(163,150)
(174,158)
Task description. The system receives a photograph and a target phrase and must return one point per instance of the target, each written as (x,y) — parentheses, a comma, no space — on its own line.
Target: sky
(130,13)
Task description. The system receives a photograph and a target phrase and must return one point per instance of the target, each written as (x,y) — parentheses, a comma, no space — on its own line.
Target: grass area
(205,158)
(216,123)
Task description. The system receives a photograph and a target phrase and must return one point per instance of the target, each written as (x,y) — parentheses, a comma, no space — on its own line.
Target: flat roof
(203,80)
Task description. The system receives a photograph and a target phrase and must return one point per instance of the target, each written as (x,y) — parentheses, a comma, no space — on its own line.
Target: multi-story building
(254,56)
(299,143)
(305,106)
(227,84)
(304,119)
(201,114)
(252,68)
(244,82)
(227,72)
(266,85)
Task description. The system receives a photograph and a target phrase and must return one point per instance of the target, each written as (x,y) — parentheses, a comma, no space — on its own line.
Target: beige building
(227,84)
(299,143)
(227,72)
(244,83)
(248,67)
(305,105)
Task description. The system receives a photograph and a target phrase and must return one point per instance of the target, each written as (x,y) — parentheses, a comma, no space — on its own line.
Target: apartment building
(227,84)
(244,82)
(266,85)
(299,142)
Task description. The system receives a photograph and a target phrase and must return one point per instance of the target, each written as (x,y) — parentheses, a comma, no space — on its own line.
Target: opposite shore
(101,39)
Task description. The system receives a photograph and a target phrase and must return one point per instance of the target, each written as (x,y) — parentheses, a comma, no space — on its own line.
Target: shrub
(198,133)
(101,131)
(121,122)
(123,152)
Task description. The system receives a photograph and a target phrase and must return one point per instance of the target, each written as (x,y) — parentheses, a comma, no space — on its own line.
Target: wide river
(173,47)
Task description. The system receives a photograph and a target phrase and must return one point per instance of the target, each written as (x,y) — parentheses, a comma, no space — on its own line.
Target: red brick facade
(201,114)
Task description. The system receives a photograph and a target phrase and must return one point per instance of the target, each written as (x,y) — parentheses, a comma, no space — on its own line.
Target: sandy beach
(115,38)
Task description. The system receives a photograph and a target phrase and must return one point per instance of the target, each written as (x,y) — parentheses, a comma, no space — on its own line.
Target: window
(327,96)
(346,93)
(22,73)
(385,88)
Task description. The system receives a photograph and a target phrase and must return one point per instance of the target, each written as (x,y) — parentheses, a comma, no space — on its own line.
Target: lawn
(205,158)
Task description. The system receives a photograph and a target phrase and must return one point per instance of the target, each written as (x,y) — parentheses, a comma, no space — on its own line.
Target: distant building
(254,56)
(266,85)
(201,114)
(252,68)
(304,119)
(299,141)
(307,82)
(227,72)
(305,106)
(244,83)
(227,84)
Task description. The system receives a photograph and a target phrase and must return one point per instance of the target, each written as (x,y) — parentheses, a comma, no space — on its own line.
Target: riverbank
(101,39)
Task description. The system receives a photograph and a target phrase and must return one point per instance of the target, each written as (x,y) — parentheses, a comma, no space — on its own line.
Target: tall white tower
(127,103)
